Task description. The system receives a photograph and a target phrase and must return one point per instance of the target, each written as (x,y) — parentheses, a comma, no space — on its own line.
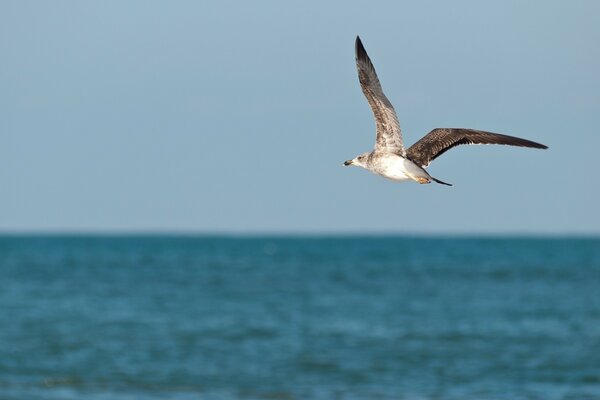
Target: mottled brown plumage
(440,140)
(389,135)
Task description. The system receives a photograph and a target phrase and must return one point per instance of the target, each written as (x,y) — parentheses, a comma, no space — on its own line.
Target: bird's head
(359,161)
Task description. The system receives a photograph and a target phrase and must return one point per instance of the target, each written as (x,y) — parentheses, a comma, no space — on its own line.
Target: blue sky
(237,116)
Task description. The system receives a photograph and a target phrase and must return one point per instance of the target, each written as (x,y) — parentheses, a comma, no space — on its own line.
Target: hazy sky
(237,116)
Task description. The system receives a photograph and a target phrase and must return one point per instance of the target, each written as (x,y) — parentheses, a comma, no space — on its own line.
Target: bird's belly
(392,167)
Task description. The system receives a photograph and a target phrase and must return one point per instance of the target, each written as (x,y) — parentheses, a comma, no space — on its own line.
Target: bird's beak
(349,162)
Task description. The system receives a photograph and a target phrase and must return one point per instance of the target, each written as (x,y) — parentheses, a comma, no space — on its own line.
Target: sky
(236,117)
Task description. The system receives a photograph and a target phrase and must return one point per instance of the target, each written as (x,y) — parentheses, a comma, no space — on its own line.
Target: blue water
(299,318)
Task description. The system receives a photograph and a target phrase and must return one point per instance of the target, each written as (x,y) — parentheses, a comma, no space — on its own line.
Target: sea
(115,317)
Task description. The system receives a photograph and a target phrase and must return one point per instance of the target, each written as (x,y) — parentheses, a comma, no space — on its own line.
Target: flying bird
(389,158)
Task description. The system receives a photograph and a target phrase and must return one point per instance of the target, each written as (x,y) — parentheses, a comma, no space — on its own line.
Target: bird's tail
(441,182)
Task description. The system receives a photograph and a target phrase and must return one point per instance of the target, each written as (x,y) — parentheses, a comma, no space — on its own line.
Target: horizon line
(289,233)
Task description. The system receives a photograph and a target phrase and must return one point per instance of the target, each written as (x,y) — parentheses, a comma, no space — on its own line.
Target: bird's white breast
(393,167)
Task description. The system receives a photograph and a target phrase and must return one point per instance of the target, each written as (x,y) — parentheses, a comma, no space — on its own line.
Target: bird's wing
(389,135)
(440,140)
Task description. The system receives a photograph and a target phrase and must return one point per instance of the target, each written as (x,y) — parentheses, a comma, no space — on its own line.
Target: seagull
(389,158)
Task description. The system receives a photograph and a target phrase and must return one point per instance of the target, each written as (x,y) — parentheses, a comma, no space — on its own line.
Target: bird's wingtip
(359,48)
(538,145)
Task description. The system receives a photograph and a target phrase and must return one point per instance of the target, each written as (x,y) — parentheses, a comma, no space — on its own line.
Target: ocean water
(299,318)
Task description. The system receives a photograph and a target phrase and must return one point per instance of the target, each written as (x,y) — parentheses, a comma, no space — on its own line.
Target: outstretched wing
(389,135)
(440,140)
